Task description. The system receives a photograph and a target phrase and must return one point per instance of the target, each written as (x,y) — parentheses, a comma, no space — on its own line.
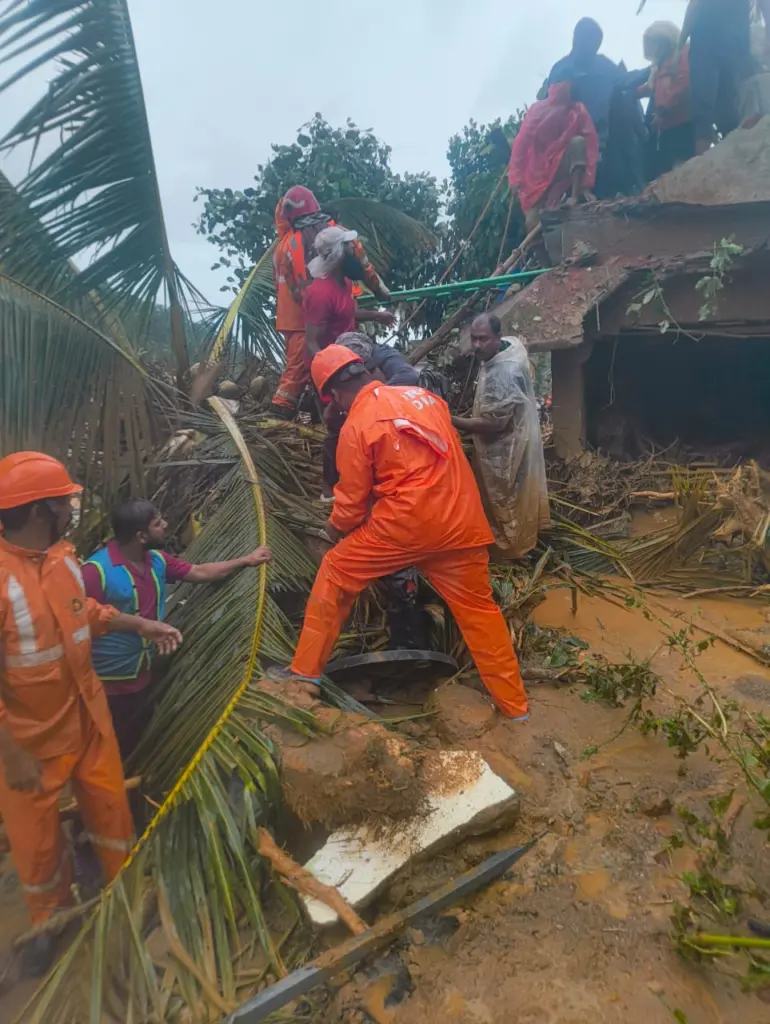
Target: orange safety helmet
(32,476)
(329,361)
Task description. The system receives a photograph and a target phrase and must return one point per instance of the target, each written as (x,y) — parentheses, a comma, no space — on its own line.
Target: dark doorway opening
(709,397)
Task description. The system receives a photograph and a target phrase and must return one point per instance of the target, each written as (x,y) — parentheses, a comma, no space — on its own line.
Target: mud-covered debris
(461,714)
(653,802)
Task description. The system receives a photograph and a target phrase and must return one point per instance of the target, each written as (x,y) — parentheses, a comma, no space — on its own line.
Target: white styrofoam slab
(358,865)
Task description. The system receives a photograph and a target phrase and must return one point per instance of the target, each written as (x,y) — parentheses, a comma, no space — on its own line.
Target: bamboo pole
(458,317)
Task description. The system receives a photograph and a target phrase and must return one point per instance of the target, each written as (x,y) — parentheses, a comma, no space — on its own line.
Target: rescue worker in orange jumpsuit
(55,725)
(406,496)
(298,220)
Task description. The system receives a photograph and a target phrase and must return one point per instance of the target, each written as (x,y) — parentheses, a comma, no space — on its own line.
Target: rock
(461,713)
(464,798)
(358,772)
(653,803)
(755,687)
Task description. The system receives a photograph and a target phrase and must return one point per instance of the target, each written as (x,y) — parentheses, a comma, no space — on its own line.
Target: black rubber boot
(38,956)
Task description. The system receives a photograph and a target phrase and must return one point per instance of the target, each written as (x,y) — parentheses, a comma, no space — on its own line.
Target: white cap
(329,244)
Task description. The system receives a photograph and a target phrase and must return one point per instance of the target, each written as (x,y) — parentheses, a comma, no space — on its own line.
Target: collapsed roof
(723,194)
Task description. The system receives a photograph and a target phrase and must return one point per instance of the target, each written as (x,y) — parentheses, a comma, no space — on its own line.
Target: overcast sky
(225,78)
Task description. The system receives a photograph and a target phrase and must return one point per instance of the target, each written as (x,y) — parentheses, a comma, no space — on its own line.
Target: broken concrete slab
(465,798)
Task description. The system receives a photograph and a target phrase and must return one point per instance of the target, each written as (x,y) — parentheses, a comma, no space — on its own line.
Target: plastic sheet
(511,466)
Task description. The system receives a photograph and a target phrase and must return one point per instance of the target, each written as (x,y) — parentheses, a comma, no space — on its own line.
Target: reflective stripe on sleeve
(54,883)
(82,634)
(120,845)
(74,568)
(22,616)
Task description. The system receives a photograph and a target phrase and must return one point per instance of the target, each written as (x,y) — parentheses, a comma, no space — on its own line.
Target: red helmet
(329,361)
(32,476)
(298,202)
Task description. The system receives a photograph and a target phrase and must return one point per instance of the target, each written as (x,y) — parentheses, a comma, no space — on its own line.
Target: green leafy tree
(478,158)
(338,164)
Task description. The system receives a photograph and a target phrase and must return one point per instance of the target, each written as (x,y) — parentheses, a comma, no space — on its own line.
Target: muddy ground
(580,932)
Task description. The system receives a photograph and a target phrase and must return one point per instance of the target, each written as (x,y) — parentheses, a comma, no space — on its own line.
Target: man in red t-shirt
(329,307)
(133,568)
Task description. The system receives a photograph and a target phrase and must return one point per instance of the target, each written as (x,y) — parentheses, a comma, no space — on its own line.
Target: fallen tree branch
(460,315)
(304,882)
(654,495)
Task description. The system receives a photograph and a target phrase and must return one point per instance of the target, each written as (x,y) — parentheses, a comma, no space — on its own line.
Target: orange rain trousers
(460,577)
(34,830)
(296,374)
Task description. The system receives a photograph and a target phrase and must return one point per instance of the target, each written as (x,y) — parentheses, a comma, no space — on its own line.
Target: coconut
(257,388)
(229,389)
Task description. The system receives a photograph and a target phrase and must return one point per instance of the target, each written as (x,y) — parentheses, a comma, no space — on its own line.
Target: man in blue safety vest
(132,574)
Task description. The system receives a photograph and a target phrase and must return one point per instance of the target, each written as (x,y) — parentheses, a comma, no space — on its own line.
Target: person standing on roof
(672,136)
(719,32)
(132,574)
(593,76)
(298,220)
(55,725)
(554,155)
(608,93)
(406,496)
(505,427)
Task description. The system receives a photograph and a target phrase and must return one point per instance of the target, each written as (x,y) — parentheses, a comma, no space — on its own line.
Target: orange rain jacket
(399,448)
(54,705)
(46,624)
(407,496)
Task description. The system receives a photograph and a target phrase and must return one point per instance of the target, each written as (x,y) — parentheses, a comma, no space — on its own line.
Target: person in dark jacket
(719,32)
(608,94)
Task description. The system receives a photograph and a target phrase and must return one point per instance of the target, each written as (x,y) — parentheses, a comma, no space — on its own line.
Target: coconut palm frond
(97,190)
(192,922)
(38,264)
(389,235)
(71,391)
(248,322)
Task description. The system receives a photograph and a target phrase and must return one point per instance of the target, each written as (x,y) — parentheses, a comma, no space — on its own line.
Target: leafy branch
(724,255)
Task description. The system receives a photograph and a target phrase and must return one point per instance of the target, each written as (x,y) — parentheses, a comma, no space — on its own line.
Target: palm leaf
(247,322)
(71,391)
(39,265)
(390,236)
(97,190)
(188,926)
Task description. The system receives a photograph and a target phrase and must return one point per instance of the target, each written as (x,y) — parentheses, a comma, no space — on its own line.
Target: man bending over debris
(506,435)
(131,573)
(55,726)
(406,496)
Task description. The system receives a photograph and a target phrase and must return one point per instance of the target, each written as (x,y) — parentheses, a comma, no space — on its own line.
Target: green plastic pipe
(440,290)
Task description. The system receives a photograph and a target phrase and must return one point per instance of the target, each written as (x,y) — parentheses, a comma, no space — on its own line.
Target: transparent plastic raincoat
(511,466)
